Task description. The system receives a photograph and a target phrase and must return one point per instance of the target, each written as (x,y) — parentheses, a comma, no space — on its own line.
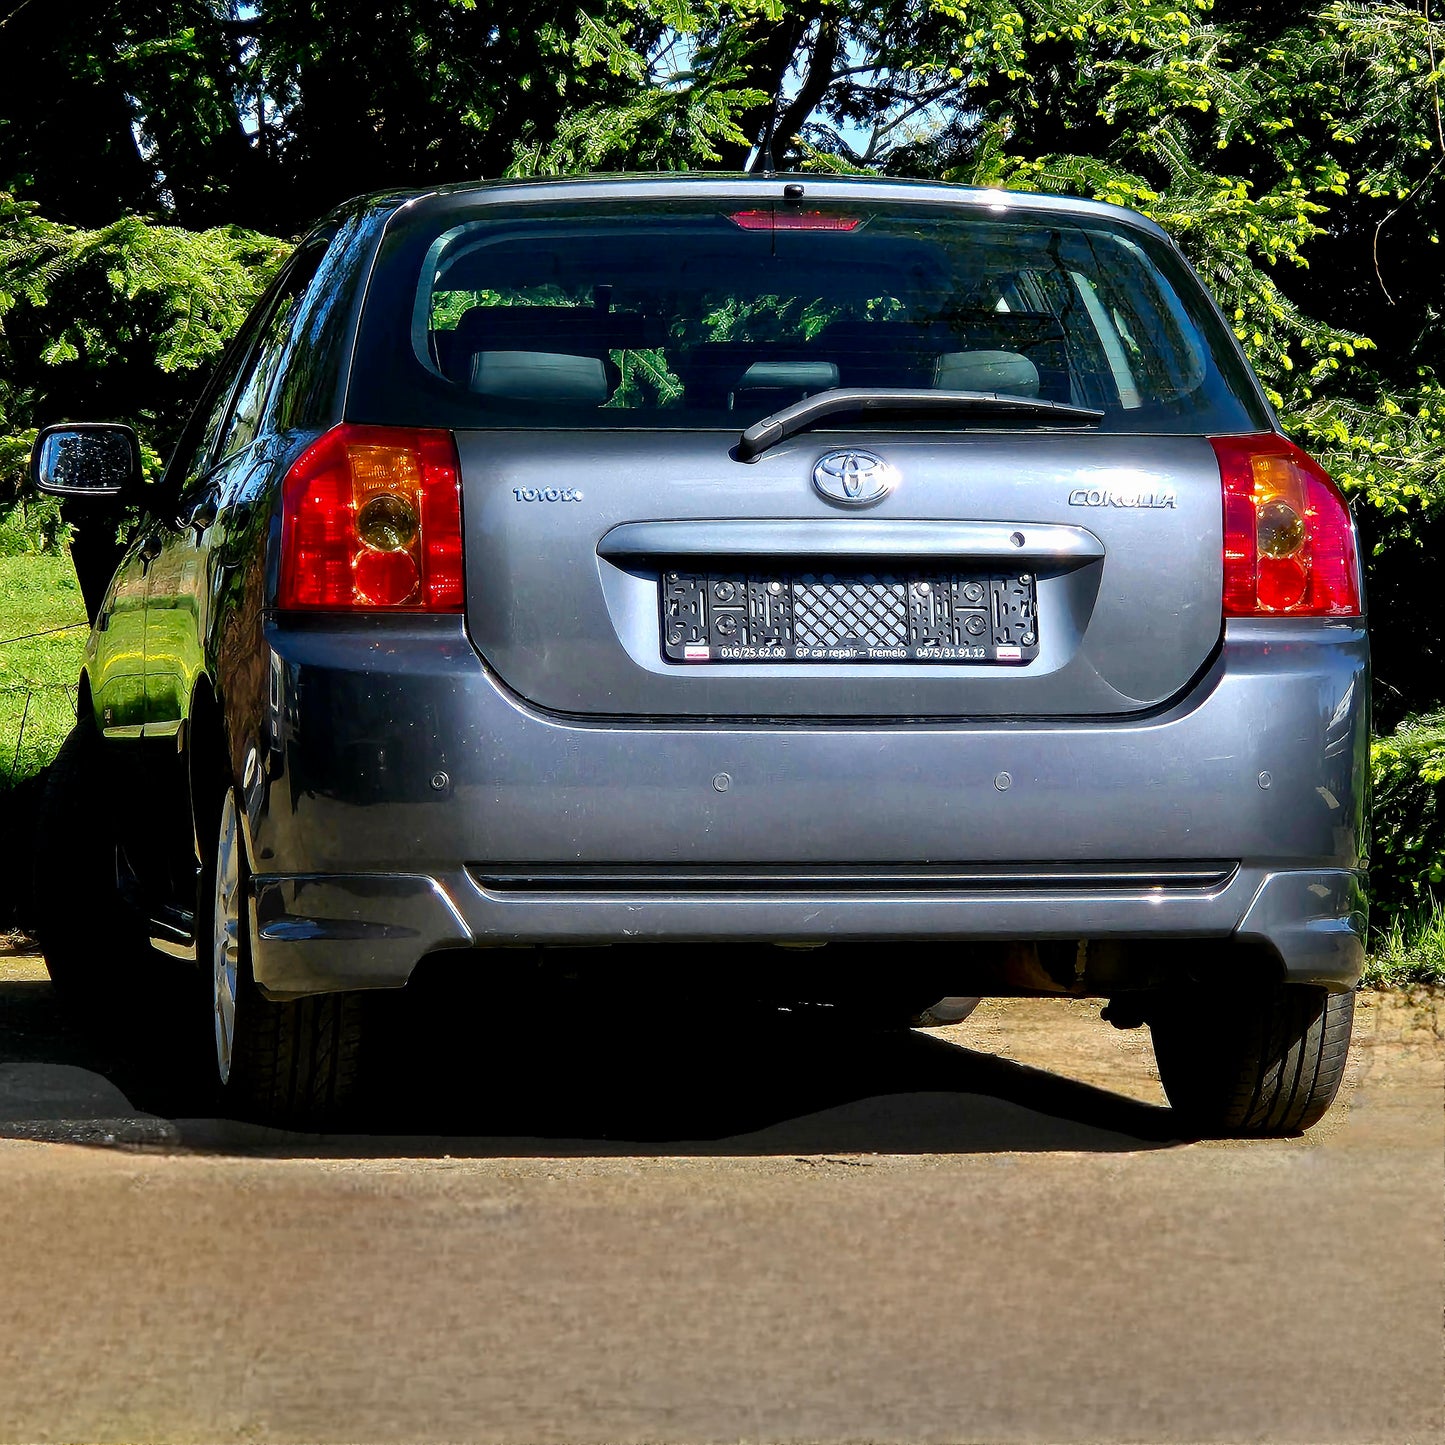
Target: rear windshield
(711,314)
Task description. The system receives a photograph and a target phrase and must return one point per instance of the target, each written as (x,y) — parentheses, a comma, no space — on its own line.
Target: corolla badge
(1123,497)
(853,479)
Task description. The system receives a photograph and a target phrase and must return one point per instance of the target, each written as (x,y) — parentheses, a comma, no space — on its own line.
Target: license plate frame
(967,617)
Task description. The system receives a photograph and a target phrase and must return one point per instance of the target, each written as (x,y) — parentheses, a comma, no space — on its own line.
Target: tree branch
(820,76)
(922,103)
(1390,216)
(13,13)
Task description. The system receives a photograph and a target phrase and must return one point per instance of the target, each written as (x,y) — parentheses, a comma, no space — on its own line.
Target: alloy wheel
(226,936)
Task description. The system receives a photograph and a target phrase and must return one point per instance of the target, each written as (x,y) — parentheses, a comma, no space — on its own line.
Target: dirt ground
(721,1231)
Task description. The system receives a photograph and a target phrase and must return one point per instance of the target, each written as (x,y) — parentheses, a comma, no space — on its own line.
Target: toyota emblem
(853,479)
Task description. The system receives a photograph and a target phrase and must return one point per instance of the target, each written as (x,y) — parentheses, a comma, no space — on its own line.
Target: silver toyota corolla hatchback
(857,592)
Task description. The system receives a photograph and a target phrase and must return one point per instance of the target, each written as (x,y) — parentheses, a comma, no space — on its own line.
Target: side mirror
(98,460)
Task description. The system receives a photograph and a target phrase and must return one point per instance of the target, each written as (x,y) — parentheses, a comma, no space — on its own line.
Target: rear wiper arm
(904,401)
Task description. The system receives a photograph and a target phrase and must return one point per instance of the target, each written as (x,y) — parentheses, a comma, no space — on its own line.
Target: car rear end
(1053,678)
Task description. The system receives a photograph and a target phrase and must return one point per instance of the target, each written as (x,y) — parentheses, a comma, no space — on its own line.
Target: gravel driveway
(722,1231)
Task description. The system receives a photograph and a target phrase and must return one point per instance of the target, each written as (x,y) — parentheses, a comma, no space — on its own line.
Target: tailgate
(1092,561)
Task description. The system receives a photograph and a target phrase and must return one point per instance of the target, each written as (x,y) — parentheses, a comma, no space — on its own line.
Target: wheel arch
(212,765)
(207,766)
(84,698)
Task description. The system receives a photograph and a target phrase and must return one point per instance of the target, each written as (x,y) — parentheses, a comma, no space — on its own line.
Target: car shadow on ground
(597,1081)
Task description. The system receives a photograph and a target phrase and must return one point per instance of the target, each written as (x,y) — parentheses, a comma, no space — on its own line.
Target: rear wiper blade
(904,401)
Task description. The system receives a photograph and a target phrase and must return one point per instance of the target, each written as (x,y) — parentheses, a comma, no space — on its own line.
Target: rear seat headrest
(1004,371)
(540,376)
(791,375)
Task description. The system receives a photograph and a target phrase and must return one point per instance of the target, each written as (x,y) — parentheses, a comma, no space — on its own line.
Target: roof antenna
(765,150)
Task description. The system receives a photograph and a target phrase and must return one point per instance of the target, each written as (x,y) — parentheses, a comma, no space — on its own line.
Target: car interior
(737,323)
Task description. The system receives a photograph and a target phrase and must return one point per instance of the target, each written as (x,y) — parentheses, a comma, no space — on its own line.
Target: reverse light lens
(371,518)
(387,522)
(1289,541)
(1281,530)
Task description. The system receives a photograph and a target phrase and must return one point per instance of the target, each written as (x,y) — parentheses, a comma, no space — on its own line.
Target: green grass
(38,592)
(1411,951)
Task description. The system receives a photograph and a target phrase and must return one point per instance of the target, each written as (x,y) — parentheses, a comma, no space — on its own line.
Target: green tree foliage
(150,150)
(114,321)
(211,112)
(1407,868)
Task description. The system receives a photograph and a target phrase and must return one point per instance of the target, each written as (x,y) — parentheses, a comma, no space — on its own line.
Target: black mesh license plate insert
(954,617)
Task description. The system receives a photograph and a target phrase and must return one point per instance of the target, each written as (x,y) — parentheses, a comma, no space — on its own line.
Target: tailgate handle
(836,537)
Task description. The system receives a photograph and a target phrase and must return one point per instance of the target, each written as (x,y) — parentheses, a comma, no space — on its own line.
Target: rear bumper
(336,931)
(399,801)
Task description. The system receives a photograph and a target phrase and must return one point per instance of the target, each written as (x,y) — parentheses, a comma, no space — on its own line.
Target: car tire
(1265,1064)
(94,946)
(293,1063)
(946,1012)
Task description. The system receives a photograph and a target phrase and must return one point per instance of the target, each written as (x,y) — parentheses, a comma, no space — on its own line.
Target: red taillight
(793,220)
(1289,543)
(371,518)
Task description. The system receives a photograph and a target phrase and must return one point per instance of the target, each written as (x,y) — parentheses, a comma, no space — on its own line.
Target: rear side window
(693,314)
(245,420)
